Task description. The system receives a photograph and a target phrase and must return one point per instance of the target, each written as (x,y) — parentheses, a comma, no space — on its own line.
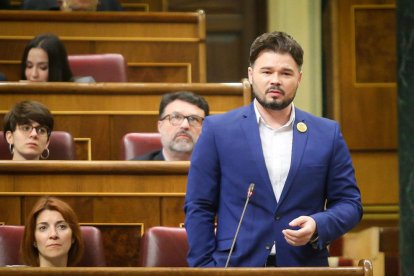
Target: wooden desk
(122,198)
(104,112)
(158,46)
(364,269)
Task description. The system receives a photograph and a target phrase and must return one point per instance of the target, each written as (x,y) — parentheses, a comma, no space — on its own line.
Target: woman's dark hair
(59,69)
(26,112)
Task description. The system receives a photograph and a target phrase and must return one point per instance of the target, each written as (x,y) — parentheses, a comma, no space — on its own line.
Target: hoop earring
(47,154)
(11,149)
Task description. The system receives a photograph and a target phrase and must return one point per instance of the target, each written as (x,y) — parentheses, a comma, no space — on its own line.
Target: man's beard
(182,145)
(273,104)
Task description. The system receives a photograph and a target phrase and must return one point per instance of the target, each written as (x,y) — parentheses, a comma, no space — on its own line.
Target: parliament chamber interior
(156,47)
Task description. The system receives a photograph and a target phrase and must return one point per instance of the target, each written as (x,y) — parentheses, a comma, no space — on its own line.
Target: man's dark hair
(278,42)
(24,113)
(184,96)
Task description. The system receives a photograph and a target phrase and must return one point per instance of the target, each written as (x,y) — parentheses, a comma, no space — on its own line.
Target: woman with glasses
(27,129)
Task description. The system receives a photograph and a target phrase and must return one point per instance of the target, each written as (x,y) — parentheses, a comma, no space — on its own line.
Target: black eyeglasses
(40,130)
(176,119)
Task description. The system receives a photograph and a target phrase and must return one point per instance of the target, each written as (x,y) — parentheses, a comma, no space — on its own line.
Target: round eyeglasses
(40,130)
(176,119)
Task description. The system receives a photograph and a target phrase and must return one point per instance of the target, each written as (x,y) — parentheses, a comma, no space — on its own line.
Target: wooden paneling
(377,176)
(375,52)
(151,42)
(10,209)
(104,112)
(123,199)
(363,72)
(93,177)
(113,235)
(231,26)
(367,110)
(360,55)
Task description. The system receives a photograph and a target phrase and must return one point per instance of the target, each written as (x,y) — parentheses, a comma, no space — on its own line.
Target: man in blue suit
(305,191)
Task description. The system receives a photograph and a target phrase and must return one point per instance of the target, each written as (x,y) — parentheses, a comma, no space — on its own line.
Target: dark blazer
(152,156)
(104,5)
(5,4)
(228,157)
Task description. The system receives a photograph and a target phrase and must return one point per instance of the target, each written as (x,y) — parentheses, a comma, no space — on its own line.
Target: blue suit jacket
(228,157)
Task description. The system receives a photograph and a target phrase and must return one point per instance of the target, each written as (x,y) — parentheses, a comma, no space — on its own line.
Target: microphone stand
(249,194)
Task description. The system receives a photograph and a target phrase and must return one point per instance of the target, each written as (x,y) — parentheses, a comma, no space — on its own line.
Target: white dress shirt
(277,152)
(277,149)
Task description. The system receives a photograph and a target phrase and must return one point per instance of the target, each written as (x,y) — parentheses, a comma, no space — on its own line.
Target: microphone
(249,194)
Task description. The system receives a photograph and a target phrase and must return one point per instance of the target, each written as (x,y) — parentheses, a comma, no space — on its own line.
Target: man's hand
(303,235)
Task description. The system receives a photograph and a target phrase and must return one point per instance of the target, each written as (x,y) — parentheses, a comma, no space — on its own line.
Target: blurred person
(27,129)
(72,5)
(5,4)
(3,77)
(45,60)
(181,118)
(79,5)
(52,235)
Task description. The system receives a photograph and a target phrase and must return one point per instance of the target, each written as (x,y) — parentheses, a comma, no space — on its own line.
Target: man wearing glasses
(181,117)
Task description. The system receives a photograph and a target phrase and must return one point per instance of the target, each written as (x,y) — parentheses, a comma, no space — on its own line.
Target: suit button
(267,247)
(277,218)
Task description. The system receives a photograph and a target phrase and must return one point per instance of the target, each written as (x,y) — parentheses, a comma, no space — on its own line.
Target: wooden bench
(363,269)
(158,46)
(122,198)
(99,114)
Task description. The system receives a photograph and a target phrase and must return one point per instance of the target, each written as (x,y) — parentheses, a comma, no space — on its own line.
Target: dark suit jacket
(152,156)
(104,5)
(4,4)
(228,157)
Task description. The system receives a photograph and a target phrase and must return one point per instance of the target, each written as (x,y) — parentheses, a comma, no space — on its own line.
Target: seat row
(62,145)
(160,247)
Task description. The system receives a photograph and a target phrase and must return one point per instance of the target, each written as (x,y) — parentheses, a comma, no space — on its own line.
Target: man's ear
(159,126)
(300,77)
(249,74)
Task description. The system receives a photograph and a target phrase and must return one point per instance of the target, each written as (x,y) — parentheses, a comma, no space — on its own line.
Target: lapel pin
(302,127)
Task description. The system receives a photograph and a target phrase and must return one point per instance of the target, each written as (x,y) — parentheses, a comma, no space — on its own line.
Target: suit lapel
(300,138)
(251,131)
